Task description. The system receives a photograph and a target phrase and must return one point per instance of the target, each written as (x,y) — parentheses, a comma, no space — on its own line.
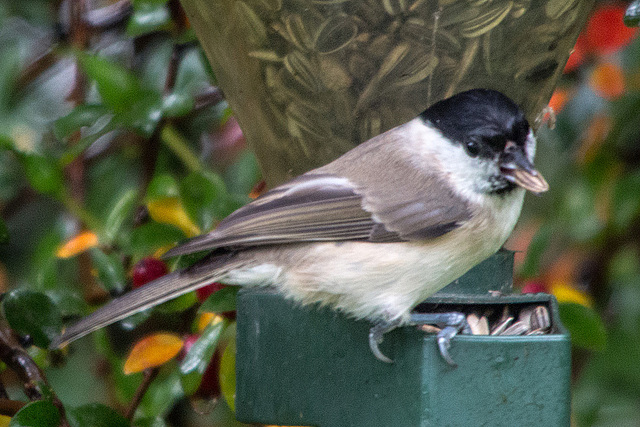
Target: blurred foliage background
(115,143)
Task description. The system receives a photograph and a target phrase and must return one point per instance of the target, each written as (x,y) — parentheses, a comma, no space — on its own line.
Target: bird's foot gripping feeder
(308,366)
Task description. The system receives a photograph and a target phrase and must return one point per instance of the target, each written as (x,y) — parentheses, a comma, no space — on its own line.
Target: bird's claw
(375,338)
(451,323)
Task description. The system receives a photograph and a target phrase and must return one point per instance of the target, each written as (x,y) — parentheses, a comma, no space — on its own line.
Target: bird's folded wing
(325,207)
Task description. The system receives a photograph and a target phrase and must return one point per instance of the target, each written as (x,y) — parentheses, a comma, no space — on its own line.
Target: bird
(376,231)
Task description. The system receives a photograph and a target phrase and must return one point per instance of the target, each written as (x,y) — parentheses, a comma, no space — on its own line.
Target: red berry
(146,270)
(204,292)
(210,383)
(534,288)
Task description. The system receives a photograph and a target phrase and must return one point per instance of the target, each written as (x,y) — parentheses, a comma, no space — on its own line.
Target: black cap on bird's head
(490,126)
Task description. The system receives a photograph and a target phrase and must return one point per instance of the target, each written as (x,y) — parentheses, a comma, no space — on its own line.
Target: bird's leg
(376,334)
(450,323)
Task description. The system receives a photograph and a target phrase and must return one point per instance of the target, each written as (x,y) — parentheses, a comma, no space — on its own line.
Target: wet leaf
(95,415)
(199,356)
(152,351)
(32,313)
(177,104)
(41,413)
(584,325)
(221,301)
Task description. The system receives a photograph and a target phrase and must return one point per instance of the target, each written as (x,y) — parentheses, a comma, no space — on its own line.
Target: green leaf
(536,250)
(632,14)
(199,356)
(162,186)
(177,104)
(67,302)
(205,197)
(120,213)
(4,232)
(95,415)
(221,301)
(111,273)
(149,237)
(178,304)
(41,413)
(243,174)
(9,71)
(44,174)
(227,374)
(100,128)
(149,422)
(34,314)
(148,17)
(625,205)
(584,325)
(117,86)
(81,116)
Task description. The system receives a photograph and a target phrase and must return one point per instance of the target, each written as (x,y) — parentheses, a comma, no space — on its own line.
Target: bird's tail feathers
(151,294)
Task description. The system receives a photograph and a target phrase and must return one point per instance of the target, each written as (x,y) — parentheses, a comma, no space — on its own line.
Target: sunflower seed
(301,69)
(479,325)
(499,328)
(333,74)
(265,55)
(540,318)
(298,33)
(335,33)
(250,23)
(554,9)
(518,328)
(486,21)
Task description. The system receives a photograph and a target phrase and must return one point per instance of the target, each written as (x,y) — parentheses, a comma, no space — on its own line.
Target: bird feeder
(313,367)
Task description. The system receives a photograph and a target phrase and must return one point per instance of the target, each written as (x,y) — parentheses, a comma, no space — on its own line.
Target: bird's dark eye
(497,142)
(473,148)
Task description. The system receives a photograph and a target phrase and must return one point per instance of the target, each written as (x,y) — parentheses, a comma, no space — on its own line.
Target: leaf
(121,212)
(41,413)
(117,86)
(34,314)
(162,186)
(171,211)
(4,232)
(584,325)
(77,244)
(227,374)
(221,301)
(197,359)
(177,104)
(536,249)
(148,17)
(111,274)
(44,174)
(625,205)
(149,422)
(151,236)
(81,116)
(205,198)
(243,174)
(152,351)
(179,304)
(95,415)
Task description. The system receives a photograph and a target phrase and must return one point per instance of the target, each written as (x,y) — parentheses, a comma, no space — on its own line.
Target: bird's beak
(516,167)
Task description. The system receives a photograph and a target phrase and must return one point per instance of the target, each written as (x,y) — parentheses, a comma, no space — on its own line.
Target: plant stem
(170,136)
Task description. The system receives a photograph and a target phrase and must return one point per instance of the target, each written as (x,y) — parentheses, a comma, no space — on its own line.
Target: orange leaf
(207,319)
(558,100)
(77,244)
(577,55)
(152,351)
(607,80)
(606,32)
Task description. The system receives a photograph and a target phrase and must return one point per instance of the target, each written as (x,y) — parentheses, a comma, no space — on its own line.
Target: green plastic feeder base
(313,367)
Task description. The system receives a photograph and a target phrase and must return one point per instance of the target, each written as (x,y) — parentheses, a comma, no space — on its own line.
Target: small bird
(376,231)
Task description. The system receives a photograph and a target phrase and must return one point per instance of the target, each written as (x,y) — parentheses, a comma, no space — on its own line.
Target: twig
(28,372)
(10,407)
(149,376)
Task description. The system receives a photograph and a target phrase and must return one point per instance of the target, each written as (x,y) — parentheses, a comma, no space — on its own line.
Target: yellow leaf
(169,210)
(4,421)
(207,319)
(566,293)
(79,243)
(152,351)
